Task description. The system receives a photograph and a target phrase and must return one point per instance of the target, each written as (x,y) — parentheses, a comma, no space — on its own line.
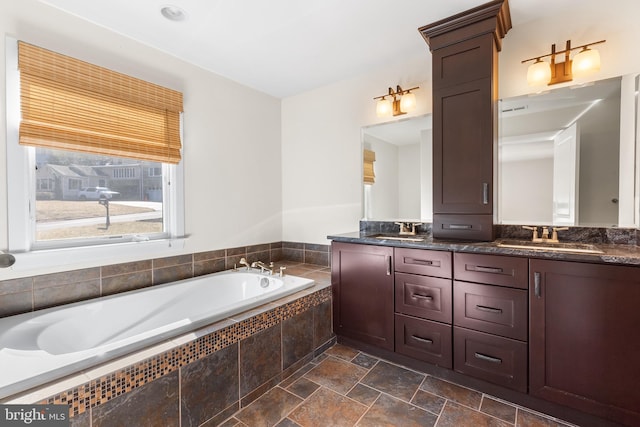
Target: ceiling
(285,47)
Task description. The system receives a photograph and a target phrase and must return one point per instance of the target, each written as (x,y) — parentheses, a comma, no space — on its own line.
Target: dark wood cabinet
(465,73)
(490,313)
(362,283)
(585,337)
(423,305)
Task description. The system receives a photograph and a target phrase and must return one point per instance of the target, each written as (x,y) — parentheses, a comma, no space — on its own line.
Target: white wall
(321,138)
(325,123)
(231,133)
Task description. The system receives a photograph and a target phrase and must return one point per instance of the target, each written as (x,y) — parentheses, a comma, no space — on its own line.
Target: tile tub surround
(344,387)
(207,375)
(48,290)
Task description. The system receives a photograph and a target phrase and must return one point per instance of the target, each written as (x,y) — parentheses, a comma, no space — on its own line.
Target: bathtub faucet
(262,266)
(243,261)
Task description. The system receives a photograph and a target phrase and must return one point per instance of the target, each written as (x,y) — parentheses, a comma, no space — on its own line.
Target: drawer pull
(421,262)
(488,358)
(489,309)
(389,267)
(424,340)
(482,269)
(418,296)
(459,226)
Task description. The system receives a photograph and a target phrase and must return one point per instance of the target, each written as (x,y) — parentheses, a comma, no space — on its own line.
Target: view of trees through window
(82,195)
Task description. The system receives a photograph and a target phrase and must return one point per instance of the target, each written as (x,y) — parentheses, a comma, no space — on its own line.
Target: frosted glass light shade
(539,73)
(408,102)
(383,107)
(585,62)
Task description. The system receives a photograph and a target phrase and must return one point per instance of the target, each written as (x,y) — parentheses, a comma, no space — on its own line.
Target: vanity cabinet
(362,285)
(490,330)
(585,337)
(464,51)
(423,305)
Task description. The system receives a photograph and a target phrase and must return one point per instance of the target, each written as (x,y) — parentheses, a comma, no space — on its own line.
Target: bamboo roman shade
(69,104)
(368,159)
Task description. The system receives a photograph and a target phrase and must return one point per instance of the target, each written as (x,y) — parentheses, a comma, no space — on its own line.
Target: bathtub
(45,345)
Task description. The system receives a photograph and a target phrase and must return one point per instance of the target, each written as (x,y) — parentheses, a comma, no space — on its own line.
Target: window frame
(21,193)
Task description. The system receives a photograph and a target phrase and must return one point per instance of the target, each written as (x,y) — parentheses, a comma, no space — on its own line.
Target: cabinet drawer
(491,269)
(424,296)
(492,309)
(424,262)
(424,340)
(494,359)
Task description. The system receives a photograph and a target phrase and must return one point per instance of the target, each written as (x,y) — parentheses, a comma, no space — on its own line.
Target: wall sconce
(585,62)
(403,102)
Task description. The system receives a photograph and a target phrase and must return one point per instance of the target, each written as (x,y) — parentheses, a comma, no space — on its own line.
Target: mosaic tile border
(107,387)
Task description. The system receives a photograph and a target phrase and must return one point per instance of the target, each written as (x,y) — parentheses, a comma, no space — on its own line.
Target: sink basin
(399,238)
(553,247)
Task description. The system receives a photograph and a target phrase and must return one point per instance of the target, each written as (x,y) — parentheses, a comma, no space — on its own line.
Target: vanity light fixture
(400,102)
(542,72)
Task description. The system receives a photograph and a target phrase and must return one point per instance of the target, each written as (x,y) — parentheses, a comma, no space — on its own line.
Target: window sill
(95,256)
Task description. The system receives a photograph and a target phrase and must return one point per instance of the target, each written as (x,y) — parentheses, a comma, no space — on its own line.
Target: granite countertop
(611,253)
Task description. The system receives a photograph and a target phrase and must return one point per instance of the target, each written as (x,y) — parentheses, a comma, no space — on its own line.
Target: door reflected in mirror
(402,182)
(559,156)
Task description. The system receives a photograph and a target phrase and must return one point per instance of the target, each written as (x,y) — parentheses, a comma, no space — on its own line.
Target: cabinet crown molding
(493,17)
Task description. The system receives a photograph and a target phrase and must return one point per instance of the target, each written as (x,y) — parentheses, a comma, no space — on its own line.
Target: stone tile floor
(344,387)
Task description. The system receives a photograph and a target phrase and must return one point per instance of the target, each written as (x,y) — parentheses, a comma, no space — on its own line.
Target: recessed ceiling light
(173,13)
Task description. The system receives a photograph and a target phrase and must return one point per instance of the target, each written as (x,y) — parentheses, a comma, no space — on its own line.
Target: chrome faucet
(262,266)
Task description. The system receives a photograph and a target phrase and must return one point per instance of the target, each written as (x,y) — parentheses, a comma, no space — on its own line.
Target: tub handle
(6,260)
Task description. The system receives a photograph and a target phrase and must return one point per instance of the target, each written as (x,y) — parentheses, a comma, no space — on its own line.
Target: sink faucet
(262,266)
(408,228)
(545,234)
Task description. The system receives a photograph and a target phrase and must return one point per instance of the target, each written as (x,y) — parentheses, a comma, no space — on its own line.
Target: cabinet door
(463,148)
(362,282)
(585,337)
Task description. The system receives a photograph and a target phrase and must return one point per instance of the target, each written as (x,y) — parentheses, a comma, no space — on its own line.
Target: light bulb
(585,62)
(539,73)
(407,102)
(383,107)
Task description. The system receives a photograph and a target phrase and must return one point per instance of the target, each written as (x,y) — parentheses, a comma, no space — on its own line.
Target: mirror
(596,186)
(559,156)
(402,170)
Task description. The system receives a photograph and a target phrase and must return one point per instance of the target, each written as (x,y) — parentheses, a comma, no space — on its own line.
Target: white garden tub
(44,345)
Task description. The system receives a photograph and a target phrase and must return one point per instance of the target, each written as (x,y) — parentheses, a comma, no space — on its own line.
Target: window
(74,184)
(73,156)
(124,173)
